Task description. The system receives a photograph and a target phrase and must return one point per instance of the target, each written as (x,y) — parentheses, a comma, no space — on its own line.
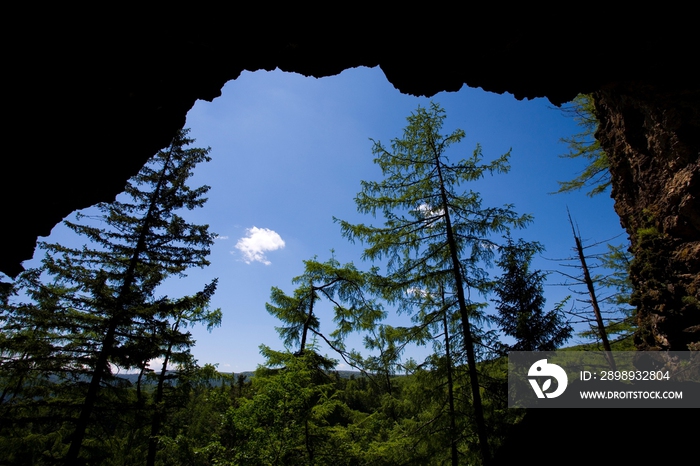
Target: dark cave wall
(93,101)
(652,137)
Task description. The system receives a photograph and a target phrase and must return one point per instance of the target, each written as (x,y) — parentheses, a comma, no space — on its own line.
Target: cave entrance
(288,153)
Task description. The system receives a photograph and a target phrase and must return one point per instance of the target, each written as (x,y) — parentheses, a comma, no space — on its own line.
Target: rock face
(652,138)
(91,99)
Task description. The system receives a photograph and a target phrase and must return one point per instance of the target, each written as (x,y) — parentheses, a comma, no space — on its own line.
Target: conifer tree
(98,302)
(520,301)
(596,175)
(294,387)
(434,233)
(175,344)
(342,286)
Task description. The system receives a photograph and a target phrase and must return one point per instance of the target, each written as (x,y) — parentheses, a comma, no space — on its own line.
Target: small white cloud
(156,364)
(426,211)
(424,208)
(221,237)
(257,242)
(416,292)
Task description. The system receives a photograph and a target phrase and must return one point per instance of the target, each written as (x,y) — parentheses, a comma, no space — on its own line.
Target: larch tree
(344,287)
(295,388)
(434,233)
(583,145)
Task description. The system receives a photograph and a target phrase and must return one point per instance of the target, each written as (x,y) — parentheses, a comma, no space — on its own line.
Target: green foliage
(435,236)
(417,218)
(409,198)
(294,416)
(193,432)
(520,301)
(618,261)
(596,175)
(342,286)
(94,311)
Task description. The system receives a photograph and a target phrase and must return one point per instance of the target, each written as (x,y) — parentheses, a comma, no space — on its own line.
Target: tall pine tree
(520,301)
(434,233)
(98,304)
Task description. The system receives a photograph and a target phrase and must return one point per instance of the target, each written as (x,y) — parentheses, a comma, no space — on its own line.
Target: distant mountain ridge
(133,378)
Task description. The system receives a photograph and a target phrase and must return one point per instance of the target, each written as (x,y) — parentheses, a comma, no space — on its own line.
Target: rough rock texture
(652,137)
(92,95)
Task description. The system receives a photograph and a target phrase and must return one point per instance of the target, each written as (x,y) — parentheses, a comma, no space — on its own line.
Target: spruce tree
(520,301)
(435,233)
(99,302)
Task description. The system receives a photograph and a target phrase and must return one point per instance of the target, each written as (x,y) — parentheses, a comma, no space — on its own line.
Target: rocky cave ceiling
(90,101)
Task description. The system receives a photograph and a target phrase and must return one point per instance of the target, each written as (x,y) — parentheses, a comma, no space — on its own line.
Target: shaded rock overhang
(91,101)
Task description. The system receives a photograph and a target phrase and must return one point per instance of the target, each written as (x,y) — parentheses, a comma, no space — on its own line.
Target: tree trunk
(117,315)
(466,327)
(450,388)
(309,316)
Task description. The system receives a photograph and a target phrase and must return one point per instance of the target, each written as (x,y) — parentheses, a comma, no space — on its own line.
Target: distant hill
(133,378)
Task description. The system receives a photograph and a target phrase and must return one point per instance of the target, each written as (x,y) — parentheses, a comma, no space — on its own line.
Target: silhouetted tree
(520,301)
(95,308)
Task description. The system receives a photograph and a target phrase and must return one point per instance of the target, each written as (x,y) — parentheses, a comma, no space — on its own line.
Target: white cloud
(156,364)
(427,211)
(416,292)
(257,242)
(424,208)
(221,237)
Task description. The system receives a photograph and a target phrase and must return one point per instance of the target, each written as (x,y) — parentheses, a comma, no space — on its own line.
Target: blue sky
(288,154)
